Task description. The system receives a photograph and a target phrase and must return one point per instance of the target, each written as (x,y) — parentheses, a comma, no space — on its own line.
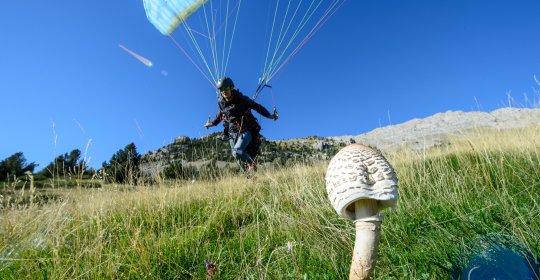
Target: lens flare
(138,57)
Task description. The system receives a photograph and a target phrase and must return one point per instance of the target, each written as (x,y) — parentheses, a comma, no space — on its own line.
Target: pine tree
(15,165)
(124,166)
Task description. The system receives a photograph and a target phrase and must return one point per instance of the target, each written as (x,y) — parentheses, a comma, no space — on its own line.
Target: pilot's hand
(208,125)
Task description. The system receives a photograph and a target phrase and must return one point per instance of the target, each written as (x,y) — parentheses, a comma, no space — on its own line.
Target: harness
(238,116)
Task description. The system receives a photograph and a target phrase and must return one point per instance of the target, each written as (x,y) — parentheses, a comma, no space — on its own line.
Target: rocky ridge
(435,130)
(415,134)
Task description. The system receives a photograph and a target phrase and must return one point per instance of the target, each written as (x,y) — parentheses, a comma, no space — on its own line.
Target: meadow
(280,224)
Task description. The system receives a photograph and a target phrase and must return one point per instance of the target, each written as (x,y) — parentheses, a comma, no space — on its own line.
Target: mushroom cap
(358,172)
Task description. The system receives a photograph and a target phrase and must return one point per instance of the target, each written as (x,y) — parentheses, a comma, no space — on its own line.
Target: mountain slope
(435,130)
(415,134)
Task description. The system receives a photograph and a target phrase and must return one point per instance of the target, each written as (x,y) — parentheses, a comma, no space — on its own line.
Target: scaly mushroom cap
(358,172)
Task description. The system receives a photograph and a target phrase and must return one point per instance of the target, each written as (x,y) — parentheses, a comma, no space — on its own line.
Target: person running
(241,127)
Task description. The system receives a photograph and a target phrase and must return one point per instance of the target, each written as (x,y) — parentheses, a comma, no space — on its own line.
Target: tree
(65,164)
(15,165)
(173,171)
(73,161)
(123,166)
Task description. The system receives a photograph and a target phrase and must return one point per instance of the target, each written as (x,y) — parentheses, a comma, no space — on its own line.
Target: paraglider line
(229,15)
(199,33)
(232,36)
(259,89)
(310,35)
(191,59)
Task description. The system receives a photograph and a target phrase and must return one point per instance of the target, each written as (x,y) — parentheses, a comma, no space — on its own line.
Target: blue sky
(65,84)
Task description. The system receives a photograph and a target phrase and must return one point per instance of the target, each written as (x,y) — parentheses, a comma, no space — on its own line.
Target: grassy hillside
(280,225)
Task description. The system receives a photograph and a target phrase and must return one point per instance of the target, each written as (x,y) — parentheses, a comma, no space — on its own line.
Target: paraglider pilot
(241,127)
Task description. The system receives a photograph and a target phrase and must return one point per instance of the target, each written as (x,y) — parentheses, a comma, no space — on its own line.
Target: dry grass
(280,225)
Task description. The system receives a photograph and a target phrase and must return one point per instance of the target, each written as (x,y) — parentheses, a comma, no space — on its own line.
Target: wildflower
(289,247)
(210,269)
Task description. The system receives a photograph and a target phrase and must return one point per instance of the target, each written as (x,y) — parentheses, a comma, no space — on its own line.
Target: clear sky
(66,84)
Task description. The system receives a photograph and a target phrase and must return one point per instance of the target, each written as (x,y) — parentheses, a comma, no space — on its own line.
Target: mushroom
(360,183)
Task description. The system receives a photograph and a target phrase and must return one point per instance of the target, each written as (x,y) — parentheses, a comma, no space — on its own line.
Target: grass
(280,224)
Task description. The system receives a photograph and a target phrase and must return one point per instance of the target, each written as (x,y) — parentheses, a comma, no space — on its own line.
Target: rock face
(435,130)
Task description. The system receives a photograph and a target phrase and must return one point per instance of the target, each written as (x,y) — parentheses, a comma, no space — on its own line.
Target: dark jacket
(237,115)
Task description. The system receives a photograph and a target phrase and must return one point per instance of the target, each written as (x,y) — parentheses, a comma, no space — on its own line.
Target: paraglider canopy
(210,27)
(166,15)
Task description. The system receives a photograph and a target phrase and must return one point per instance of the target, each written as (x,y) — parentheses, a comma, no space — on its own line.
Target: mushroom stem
(368,227)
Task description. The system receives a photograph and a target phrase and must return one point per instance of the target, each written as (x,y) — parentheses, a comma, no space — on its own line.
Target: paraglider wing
(167,15)
(210,33)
